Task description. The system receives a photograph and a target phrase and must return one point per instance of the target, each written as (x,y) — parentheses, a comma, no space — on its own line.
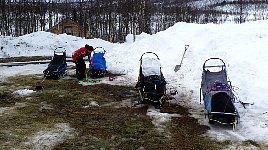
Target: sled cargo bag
(98,64)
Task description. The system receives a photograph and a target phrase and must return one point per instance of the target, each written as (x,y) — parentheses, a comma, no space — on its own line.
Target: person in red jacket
(78,56)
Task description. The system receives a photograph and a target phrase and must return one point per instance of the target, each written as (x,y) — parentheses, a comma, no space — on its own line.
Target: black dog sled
(217,93)
(57,67)
(151,82)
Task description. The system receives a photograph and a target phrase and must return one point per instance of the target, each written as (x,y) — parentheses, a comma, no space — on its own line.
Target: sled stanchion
(200,92)
(177,67)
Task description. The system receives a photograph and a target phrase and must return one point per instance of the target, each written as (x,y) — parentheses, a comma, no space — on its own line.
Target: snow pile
(160,119)
(92,104)
(49,138)
(24,92)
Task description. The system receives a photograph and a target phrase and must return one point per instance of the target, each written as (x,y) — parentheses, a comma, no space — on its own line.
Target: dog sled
(97,66)
(57,66)
(217,93)
(151,82)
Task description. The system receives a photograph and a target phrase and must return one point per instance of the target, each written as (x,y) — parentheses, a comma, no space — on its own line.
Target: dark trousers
(80,68)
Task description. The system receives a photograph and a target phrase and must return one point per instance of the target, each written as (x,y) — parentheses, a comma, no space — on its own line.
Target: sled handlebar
(149,53)
(211,66)
(99,48)
(63,51)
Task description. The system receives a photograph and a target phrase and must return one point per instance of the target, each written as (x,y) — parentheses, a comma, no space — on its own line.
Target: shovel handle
(185,49)
(177,67)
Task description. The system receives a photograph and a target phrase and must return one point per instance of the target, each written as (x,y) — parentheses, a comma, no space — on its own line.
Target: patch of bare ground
(98,126)
(24,59)
(187,133)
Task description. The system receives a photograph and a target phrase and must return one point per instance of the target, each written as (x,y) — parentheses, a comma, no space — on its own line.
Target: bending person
(78,56)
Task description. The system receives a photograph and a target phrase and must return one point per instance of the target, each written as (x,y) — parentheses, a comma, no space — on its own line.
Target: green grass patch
(187,133)
(96,127)
(107,127)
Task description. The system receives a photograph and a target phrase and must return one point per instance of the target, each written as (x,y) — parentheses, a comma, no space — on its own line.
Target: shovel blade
(177,68)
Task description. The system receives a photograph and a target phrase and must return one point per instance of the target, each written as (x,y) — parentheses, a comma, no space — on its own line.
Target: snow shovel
(177,67)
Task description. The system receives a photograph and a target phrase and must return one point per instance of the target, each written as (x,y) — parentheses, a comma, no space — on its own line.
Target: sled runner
(97,66)
(217,93)
(57,67)
(151,82)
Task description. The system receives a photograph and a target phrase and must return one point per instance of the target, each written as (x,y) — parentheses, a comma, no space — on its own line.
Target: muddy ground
(24,59)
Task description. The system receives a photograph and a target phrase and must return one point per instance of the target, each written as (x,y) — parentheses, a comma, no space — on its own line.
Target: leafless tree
(113,20)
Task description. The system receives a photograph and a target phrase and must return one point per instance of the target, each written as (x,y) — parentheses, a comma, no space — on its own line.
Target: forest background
(113,20)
